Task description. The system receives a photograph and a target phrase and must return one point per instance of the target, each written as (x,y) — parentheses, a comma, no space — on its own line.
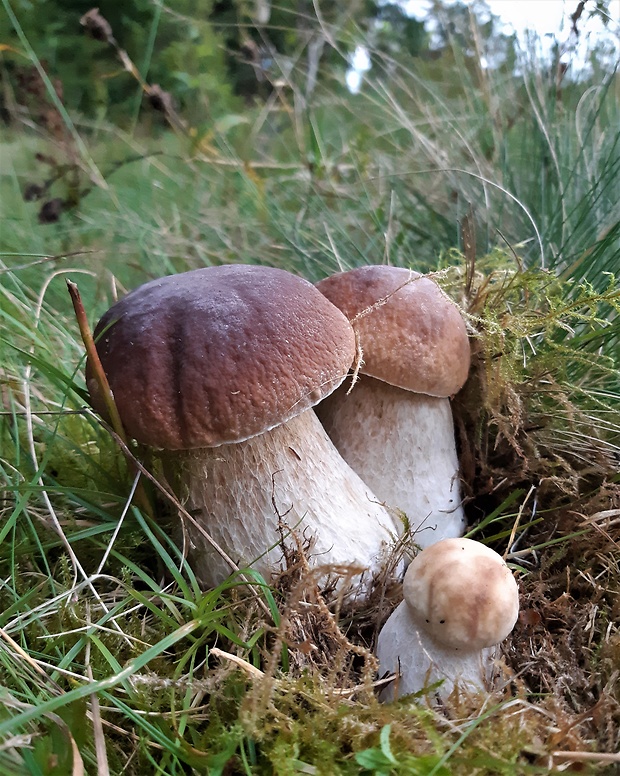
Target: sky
(543,17)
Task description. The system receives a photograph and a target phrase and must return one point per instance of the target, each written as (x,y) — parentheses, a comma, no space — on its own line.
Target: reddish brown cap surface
(412,335)
(219,355)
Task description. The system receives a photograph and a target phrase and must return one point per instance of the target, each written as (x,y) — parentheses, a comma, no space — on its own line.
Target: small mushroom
(219,368)
(460,600)
(394,426)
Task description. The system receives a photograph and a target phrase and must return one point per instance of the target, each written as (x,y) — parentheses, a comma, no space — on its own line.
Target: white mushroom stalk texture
(219,368)
(394,427)
(460,601)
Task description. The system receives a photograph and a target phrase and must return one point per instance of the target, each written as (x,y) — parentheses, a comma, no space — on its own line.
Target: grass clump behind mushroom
(539,407)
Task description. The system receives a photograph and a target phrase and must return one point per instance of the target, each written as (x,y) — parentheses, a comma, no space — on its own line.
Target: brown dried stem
(93,356)
(104,386)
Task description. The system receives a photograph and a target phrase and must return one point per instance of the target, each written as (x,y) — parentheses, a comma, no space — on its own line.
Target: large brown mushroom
(222,365)
(394,427)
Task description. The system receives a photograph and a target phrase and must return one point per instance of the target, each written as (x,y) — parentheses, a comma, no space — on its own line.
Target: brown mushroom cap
(412,335)
(219,355)
(462,594)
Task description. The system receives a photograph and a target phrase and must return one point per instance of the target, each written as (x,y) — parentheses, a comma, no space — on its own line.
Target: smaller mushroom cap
(462,594)
(412,335)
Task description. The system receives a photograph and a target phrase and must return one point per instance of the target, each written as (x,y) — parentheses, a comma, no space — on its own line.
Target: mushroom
(394,426)
(460,600)
(219,368)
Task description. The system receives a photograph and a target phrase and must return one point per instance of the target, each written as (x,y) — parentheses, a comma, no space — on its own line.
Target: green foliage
(202,53)
(541,401)
(380,760)
(182,53)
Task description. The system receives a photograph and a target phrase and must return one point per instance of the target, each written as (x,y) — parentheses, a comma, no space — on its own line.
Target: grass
(507,186)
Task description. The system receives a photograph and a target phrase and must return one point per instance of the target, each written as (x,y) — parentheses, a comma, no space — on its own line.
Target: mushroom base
(248,496)
(402,445)
(421,661)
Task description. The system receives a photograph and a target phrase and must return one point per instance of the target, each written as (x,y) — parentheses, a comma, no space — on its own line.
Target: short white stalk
(402,445)
(293,477)
(421,661)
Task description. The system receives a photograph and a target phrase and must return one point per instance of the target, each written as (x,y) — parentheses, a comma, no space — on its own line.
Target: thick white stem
(405,648)
(402,445)
(291,476)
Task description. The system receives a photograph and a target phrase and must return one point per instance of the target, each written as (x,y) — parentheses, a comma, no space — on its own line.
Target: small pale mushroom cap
(219,355)
(412,335)
(462,594)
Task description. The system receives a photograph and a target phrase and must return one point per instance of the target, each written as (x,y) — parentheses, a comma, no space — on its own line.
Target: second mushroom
(394,426)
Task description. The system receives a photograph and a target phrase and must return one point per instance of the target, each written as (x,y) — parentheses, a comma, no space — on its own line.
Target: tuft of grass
(545,364)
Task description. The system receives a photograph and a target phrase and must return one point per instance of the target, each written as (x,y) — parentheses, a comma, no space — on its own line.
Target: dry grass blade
(250,670)
(93,356)
(33,663)
(600,758)
(95,715)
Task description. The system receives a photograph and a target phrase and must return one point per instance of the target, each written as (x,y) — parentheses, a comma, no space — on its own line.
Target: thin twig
(103,385)
(593,757)
(44,260)
(517,521)
(93,356)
